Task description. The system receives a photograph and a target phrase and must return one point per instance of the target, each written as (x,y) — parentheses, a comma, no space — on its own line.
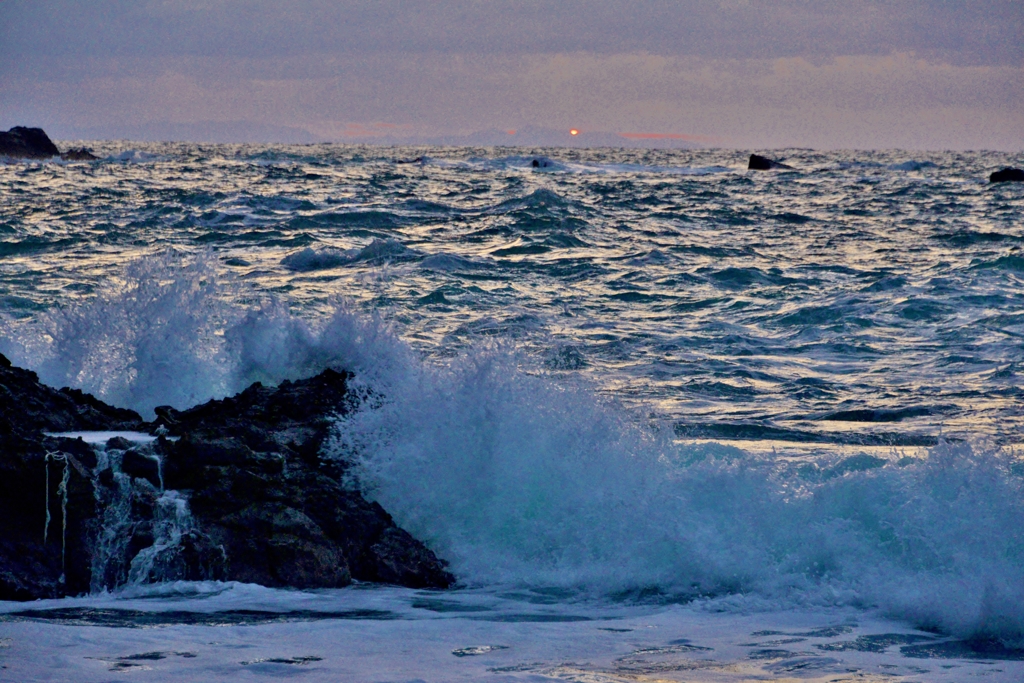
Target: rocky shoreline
(229,490)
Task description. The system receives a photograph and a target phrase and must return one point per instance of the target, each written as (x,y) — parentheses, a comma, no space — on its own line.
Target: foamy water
(625,391)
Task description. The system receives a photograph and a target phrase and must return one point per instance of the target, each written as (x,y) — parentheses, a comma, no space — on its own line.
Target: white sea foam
(911,166)
(520,480)
(134,156)
(394,634)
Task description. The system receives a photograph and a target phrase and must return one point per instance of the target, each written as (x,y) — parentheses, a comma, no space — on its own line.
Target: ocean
(667,418)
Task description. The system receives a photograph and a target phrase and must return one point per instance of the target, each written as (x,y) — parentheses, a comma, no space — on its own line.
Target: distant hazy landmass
(200,131)
(250,132)
(549,137)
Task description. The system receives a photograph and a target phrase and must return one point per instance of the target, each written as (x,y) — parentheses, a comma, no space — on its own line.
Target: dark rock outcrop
(1007,175)
(27,143)
(241,494)
(760,163)
(37,473)
(33,143)
(251,464)
(78,154)
(28,407)
(139,465)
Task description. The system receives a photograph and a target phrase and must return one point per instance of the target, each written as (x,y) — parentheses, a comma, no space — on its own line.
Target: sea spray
(147,339)
(167,334)
(521,480)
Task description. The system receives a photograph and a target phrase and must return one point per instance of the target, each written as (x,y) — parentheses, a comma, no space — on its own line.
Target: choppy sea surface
(666,417)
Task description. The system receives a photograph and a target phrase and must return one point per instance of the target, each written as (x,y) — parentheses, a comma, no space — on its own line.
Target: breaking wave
(517,479)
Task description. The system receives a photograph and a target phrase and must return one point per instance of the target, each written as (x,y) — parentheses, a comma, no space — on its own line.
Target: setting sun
(574,132)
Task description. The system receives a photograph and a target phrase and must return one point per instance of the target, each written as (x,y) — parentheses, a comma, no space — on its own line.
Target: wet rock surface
(240,494)
(44,476)
(257,486)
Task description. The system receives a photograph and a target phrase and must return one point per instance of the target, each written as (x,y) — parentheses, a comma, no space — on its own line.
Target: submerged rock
(27,143)
(1007,175)
(240,495)
(760,163)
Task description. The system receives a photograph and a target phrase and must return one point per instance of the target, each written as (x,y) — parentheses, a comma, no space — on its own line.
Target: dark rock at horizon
(1007,175)
(760,163)
(27,143)
(264,508)
(22,142)
(79,154)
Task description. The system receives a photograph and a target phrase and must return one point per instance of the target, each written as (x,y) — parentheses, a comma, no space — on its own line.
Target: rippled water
(868,297)
(864,304)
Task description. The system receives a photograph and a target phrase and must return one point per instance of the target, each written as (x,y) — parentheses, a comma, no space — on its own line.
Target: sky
(865,74)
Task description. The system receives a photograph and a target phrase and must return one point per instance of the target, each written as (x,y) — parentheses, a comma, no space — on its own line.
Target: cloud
(825,74)
(979,32)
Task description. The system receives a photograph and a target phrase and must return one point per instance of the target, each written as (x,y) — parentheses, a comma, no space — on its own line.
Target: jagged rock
(28,407)
(263,507)
(252,462)
(272,544)
(32,471)
(34,565)
(760,163)
(27,143)
(78,154)
(1007,175)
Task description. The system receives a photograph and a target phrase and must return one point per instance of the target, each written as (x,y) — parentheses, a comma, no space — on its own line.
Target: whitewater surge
(520,480)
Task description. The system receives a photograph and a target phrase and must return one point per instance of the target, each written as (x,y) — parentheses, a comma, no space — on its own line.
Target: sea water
(667,418)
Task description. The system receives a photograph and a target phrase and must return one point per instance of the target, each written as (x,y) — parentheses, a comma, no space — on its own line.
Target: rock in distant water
(33,143)
(78,154)
(245,496)
(27,143)
(760,163)
(1007,175)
